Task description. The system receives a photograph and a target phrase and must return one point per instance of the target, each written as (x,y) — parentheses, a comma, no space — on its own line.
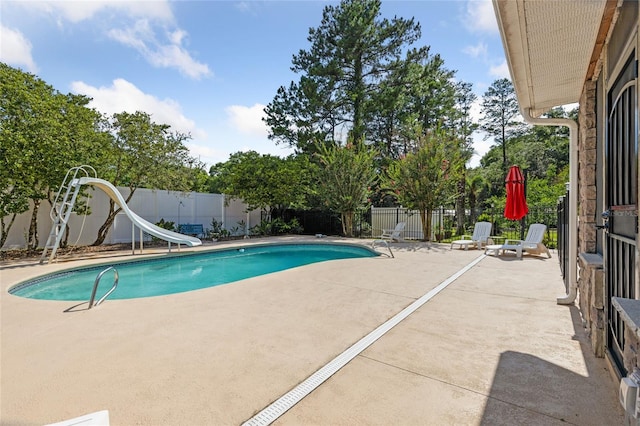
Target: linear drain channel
(295,395)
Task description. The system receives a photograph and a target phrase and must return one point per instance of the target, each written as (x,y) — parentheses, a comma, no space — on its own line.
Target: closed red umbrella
(516,205)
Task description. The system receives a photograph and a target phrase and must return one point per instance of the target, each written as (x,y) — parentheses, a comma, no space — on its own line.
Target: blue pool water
(178,274)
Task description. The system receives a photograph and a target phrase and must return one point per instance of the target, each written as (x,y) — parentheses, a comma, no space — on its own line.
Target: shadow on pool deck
(491,348)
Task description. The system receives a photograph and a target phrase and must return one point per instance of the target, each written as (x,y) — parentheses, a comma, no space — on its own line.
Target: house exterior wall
(594,301)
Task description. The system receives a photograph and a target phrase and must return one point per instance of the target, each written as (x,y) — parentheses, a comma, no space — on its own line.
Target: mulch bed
(30,254)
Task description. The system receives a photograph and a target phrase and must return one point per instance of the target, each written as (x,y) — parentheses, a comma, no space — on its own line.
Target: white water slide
(148,227)
(63,206)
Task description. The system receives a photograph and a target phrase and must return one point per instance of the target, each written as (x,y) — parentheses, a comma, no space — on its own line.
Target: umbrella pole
(522,221)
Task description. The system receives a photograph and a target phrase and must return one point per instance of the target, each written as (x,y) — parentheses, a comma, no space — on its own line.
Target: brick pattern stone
(598,320)
(590,277)
(587,169)
(630,353)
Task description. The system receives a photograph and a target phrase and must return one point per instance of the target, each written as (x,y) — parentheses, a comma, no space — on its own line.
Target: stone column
(591,277)
(587,170)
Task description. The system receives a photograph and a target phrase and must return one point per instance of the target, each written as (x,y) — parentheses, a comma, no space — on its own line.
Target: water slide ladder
(62,207)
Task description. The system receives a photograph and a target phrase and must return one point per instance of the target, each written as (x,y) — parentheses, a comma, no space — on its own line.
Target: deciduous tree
(43,133)
(425,179)
(264,181)
(345,178)
(143,154)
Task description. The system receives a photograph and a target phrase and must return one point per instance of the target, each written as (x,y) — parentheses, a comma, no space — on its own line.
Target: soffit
(549,46)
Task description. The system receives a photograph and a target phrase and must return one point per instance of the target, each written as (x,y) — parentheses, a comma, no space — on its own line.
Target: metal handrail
(386,243)
(95,286)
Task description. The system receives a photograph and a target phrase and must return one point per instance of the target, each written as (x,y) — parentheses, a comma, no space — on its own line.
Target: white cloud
(476,110)
(177,36)
(123,96)
(500,70)
(77,11)
(480,17)
(246,129)
(243,6)
(134,36)
(480,145)
(248,120)
(207,154)
(173,56)
(152,17)
(243,131)
(250,7)
(16,49)
(477,51)
(217,149)
(164,54)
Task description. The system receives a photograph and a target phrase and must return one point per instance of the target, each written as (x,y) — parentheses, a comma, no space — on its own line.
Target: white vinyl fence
(152,205)
(388,217)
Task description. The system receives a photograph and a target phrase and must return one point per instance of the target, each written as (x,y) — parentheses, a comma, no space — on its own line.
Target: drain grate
(269,414)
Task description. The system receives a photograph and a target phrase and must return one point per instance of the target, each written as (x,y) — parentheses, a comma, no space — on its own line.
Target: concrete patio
(493,347)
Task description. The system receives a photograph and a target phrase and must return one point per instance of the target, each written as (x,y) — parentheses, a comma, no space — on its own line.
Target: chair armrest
(513,242)
(484,241)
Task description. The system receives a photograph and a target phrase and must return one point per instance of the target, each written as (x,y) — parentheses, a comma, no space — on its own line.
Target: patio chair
(395,234)
(532,243)
(481,232)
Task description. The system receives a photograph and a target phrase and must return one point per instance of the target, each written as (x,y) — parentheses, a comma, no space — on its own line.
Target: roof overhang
(552,47)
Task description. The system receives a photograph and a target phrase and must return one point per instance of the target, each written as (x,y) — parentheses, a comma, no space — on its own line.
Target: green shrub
(277,227)
(217,232)
(261,229)
(240,229)
(169,226)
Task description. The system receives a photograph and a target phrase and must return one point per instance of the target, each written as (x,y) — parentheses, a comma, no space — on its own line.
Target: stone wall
(590,276)
(631,347)
(587,155)
(592,300)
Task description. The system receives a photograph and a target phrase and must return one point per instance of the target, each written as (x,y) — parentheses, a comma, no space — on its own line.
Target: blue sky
(208,68)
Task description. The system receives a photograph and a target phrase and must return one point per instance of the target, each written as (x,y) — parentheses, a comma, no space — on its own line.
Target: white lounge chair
(395,234)
(532,243)
(481,232)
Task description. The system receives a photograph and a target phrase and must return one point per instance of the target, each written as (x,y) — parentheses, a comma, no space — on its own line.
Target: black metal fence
(369,223)
(563,237)
(445,223)
(325,222)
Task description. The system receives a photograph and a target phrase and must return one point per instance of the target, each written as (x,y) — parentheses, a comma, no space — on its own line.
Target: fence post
(522,221)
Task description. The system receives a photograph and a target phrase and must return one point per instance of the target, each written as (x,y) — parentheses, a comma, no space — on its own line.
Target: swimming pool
(177,274)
